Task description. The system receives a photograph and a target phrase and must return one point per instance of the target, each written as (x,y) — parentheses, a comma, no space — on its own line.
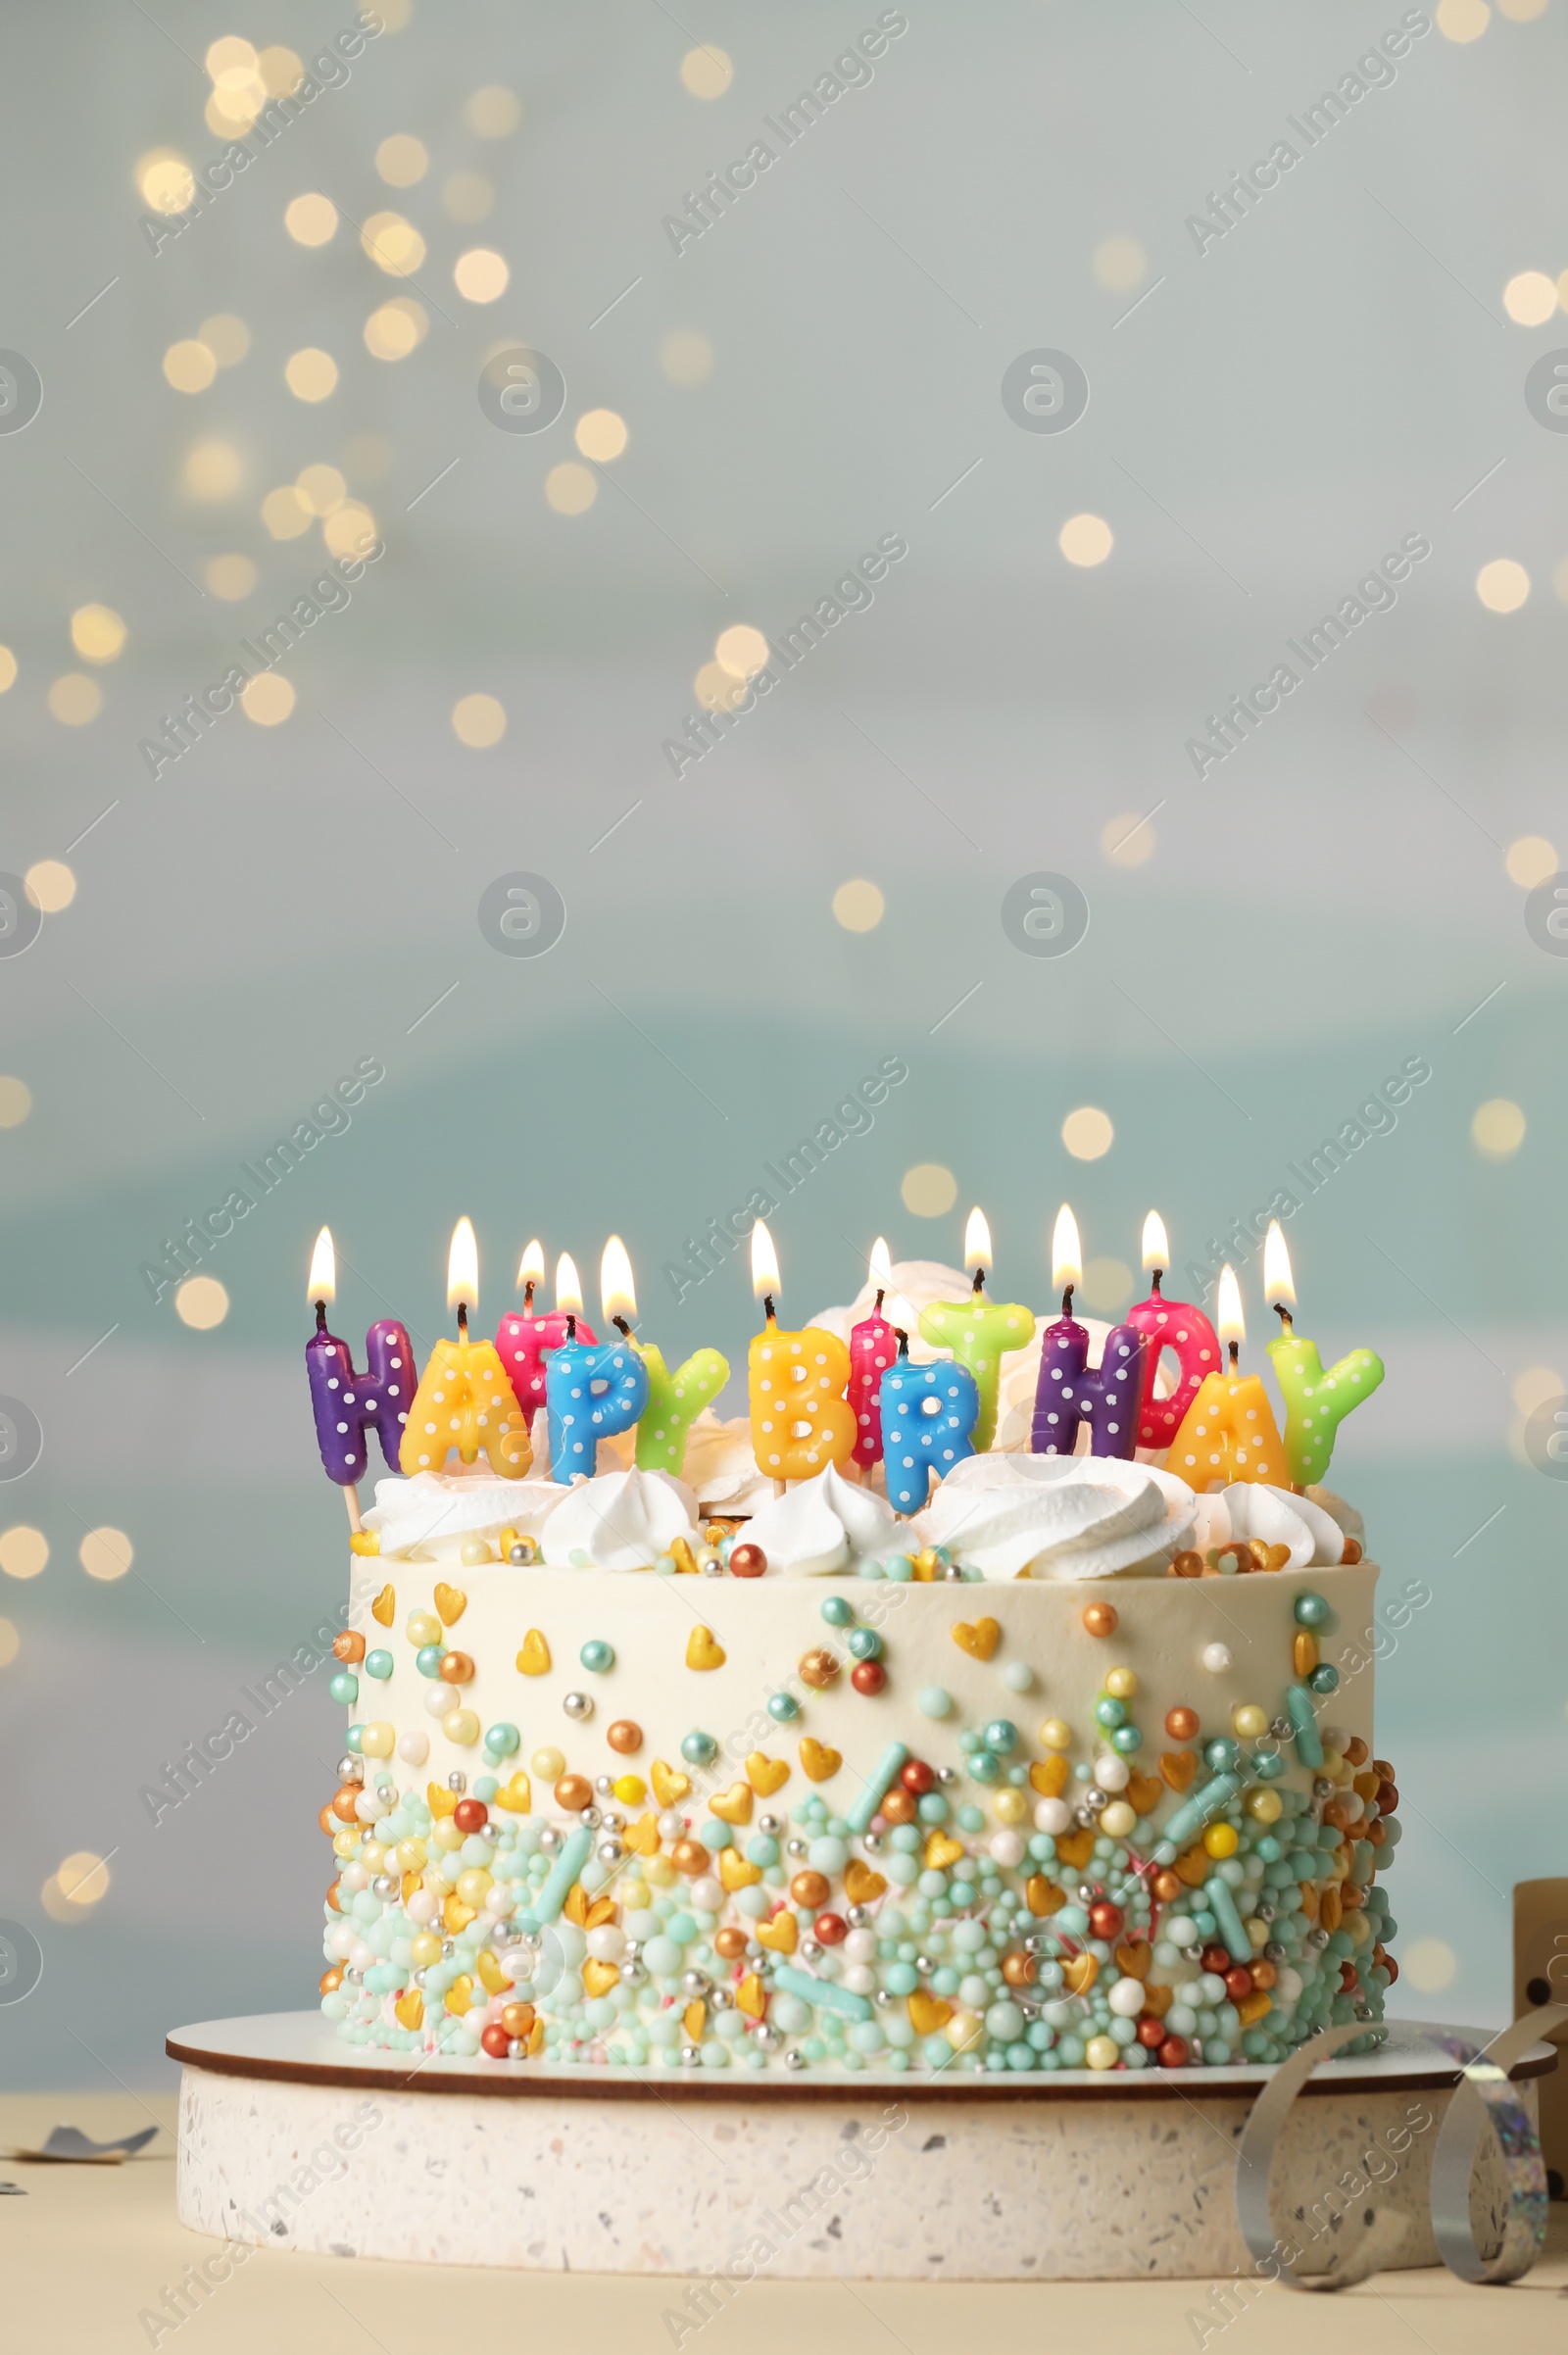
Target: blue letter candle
(591,1394)
(928,1417)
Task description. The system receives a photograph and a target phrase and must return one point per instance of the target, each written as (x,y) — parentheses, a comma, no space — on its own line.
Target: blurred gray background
(823,366)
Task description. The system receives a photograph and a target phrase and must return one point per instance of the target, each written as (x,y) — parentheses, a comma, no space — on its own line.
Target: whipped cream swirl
(1058,1517)
(621,1521)
(822,1524)
(1274,1516)
(429,1516)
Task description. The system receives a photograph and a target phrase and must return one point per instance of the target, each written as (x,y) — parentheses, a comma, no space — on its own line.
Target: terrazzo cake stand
(289,2138)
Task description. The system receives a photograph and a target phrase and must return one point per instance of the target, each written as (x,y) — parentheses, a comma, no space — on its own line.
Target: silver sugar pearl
(448,1947)
(769,2039)
(691,2056)
(952,1571)
(1322,1786)
(351,1769)
(1363,2011)
(1192,1953)
(795,2058)
(353,1978)
(721,2000)
(457,1780)
(810,1951)
(713,1567)
(924,1965)
(1095,1798)
(549,1840)
(516,2050)
(508,1934)
(633,1974)
(873,1842)
(795,1847)
(614,1820)
(885,2000)
(770,1826)
(857,1915)
(1083,1815)
(694,1983)
(1088,1892)
(590,1818)
(1281,1728)
(604,1785)
(517,1553)
(386,1885)
(416,1980)
(947,1776)
(1037,1943)
(579,1705)
(609,1851)
(1265,1911)
(1317,1939)
(1274,1952)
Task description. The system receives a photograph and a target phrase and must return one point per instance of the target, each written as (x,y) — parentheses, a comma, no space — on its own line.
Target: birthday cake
(1028,1729)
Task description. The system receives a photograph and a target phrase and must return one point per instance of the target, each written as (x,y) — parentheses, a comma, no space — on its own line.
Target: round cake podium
(291,2138)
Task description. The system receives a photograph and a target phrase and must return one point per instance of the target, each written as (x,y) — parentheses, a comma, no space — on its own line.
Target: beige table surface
(89,2247)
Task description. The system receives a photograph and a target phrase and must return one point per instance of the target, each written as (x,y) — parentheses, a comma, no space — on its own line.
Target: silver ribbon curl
(1482,2094)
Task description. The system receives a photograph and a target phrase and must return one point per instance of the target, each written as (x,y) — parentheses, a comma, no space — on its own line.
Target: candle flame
(531,1266)
(323,1282)
(881,1265)
(615,1287)
(569,1285)
(1277,1282)
(462,1266)
(1231,1322)
(1066,1252)
(764,1262)
(977,1243)
(902,1315)
(1156,1244)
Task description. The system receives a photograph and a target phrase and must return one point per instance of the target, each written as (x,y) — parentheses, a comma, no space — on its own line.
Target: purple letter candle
(347,1404)
(1068,1394)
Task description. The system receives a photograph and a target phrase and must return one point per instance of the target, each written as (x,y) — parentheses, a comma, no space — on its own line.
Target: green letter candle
(1316,1402)
(674,1401)
(978,1330)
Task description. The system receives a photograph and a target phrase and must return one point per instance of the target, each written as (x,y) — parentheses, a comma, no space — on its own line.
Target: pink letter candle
(1173,1325)
(873,1346)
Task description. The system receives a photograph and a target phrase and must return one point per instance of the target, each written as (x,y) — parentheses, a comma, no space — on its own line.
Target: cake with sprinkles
(1028,1730)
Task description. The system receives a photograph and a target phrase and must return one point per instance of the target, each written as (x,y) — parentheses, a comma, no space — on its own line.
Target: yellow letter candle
(1229,1432)
(978,1331)
(465,1400)
(801,1419)
(1316,1402)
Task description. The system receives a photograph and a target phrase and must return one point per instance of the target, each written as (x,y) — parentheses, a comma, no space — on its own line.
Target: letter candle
(594,1392)
(977,1330)
(464,1400)
(1229,1432)
(347,1404)
(522,1341)
(1316,1402)
(800,1421)
(674,1399)
(873,1346)
(1067,1394)
(928,1413)
(1173,1325)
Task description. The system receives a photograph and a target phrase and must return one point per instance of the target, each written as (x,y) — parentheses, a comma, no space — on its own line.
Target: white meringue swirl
(821,1525)
(1058,1517)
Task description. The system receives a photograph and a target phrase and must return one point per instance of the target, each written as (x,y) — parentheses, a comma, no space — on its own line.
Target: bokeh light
(165,181)
(24,1551)
(281,71)
(312,219)
(201,1303)
(7,669)
(82,1878)
(570,489)
(349,529)
(226,338)
(10,1643)
(189,367)
(229,577)
(1120,263)
(16,1101)
(1430,1963)
(478,721)
(268,699)
(741,649)
(467,198)
(1497,1128)
(1088,1133)
(858,905)
(1530,860)
(284,513)
(75,698)
(718,689)
(1502,585)
(402,160)
(214,470)
(686,357)
(1522,12)
(50,885)
(493,113)
(1531,298)
(1462,20)
(392,244)
(1085,539)
(482,274)
(97,633)
(322,489)
(311,374)
(928,1191)
(706,73)
(397,328)
(106,1553)
(602,434)
(1108,1284)
(1128,840)
(1535,1386)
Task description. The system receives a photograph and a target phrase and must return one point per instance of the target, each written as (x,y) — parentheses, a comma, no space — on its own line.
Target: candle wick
(527,1297)
(879,1299)
(1235,1349)
(622,1327)
(463,1320)
(1284,1316)
(1153,1280)
(979,1279)
(321,1316)
(767,1306)
(903,1340)
(571,1326)
(1066,1299)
